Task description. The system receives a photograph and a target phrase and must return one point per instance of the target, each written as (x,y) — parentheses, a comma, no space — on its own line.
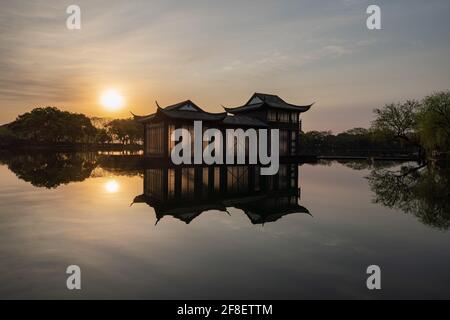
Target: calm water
(138,235)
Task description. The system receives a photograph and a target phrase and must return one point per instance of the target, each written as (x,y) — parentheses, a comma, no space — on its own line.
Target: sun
(112,100)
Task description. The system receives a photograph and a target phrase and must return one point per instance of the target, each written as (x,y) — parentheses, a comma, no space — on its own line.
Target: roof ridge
(268,95)
(189,101)
(178,104)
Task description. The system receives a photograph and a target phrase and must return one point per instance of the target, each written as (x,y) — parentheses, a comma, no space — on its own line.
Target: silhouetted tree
(103,136)
(52,125)
(398,120)
(358,141)
(7,137)
(126,130)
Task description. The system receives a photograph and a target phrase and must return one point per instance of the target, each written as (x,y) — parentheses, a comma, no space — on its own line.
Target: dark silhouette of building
(261,111)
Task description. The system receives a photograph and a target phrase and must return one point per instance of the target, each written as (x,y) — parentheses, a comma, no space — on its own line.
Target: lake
(164,233)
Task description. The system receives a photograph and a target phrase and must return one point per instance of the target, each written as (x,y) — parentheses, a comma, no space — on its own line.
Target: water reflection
(50,170)
(112,186)
(423,191)
(186,192)
(43,231)
(362,164)
(181,192)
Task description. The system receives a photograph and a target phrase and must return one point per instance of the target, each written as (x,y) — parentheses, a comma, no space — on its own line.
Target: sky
(221,52)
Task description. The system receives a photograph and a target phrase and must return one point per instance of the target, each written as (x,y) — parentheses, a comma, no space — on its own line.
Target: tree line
(52,126)
(419,127)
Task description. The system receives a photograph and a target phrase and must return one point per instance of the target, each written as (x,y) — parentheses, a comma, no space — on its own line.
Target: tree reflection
(368,164)
(51,170)
(423,191)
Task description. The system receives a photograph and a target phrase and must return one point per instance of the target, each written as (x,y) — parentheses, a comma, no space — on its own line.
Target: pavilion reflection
(187,192)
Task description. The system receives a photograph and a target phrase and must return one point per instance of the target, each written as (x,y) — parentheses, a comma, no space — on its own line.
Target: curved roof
(183,110)
(258,208)
(259,100)
(188,110)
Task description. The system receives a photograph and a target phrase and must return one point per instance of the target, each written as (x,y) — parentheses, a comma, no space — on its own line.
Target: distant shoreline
(57,147)
(323,154)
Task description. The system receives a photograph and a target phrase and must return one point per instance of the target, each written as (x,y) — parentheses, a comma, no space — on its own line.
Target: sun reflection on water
(112,186)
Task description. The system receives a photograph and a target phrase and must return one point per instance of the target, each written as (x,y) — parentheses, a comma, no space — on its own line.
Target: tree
(357,132)
(356,141)
(356,138)
(126,130)
(434,122)
(7,137)
(398,120)
(103,136)
(51,125)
